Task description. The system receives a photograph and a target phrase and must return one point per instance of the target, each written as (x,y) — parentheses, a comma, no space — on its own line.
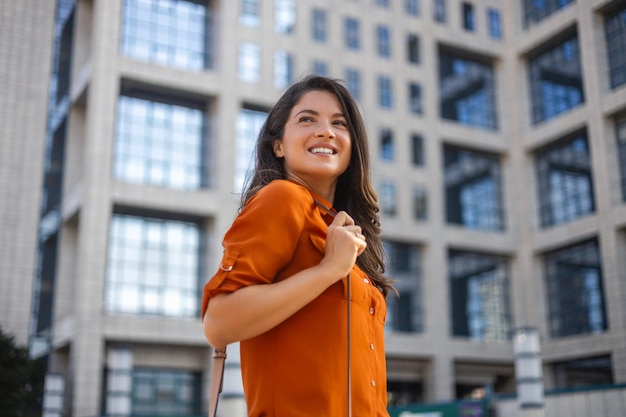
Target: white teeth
(322,150)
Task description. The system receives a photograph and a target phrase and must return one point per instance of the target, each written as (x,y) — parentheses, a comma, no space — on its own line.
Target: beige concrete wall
(26,29)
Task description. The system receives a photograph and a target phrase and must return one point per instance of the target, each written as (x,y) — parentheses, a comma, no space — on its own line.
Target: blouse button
(365,280)
(371,310)
(373,383)
(372,346)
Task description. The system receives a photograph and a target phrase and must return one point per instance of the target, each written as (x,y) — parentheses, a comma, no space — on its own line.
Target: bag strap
(349,367)
(217,379)
(349,370)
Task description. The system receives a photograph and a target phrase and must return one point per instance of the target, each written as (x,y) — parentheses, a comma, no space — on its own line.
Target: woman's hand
(254,309)
(344,242)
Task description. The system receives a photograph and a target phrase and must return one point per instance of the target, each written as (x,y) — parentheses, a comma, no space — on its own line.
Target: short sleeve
(262,239)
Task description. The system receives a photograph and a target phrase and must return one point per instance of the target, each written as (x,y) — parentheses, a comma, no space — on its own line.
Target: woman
(307,236)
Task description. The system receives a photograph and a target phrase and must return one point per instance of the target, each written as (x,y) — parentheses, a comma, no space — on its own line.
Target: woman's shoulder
(281,191)
(281,195)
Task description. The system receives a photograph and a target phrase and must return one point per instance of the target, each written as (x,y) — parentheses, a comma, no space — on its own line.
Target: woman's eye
(306,119)
(340,123)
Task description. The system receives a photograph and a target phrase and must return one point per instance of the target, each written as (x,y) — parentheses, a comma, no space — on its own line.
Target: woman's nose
(326,130)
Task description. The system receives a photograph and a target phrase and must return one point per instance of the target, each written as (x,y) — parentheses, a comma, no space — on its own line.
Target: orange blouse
(299,368)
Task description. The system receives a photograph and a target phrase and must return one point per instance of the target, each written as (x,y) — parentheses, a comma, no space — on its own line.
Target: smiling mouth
(324,151)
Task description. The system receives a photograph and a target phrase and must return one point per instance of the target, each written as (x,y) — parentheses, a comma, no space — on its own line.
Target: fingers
(342,219)
(344,243)
(361,245)
(345,225)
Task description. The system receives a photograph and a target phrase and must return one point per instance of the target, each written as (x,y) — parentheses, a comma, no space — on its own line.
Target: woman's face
(316,144)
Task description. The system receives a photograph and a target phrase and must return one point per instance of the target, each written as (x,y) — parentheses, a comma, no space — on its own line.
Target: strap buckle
(220,354)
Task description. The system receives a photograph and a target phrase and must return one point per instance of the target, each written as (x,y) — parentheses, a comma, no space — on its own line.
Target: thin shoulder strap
(349,370)
(217,379)
(323,207)
(349,361)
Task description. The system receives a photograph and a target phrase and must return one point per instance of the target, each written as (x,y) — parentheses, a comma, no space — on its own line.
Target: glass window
(283,69)
(575,297)
(47,263)
(479,287)
(417,149)
(249,123)
(473,190)
(166,32)
(620,134)
(159,143)
(385,92)
(63,68)
(157,392)
(565,181)
(383,41)
(415,98)
(55,156)
(615,29)
(405,313)
(401,391)
(495,24)
(284,16)
(468,16)
(440,11)
(584,372)
(320,68)
(250,13)
(467,91)
(351,33)
(388,198)
(412,7)
(353,83)
(413,48)
(153,267)
(556,81)
(420,204)
(386,145)
(319,25)
(249,69)
(537,10)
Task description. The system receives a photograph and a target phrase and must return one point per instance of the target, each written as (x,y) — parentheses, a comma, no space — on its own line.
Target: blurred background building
(498,135)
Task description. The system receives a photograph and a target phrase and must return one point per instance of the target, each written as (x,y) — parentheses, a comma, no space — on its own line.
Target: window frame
(319,25)
(466,270)
(562,157)
(561,267)
(249,62)
(140,267)
(352,36)
(143,40)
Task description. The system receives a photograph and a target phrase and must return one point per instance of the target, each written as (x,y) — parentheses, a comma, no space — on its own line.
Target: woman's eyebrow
(313,112)
(316,113)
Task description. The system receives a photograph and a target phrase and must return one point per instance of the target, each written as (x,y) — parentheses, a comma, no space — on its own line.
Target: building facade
(24,79)
(498,134)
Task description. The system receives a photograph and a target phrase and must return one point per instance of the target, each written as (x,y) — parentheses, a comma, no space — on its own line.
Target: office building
(498,136)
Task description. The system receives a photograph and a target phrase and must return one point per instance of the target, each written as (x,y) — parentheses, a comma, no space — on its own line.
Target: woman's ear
(278,149)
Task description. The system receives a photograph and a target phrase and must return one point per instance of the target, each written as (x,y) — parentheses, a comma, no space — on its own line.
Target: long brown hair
(354,193)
